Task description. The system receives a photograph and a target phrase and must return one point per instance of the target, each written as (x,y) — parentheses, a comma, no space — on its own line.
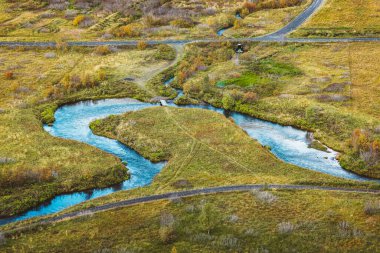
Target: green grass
(247,79)
(270,66)
(320,222)
(218,154)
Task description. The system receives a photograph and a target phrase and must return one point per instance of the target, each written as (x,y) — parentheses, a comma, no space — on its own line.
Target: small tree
(228,101)
(209,218)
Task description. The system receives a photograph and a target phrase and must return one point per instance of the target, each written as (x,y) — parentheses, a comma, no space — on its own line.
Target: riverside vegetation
(330,89)
(35,166)
(222,155)
(322,88)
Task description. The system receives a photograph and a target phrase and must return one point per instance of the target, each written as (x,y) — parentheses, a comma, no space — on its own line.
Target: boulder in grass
(6,160)
(50,55)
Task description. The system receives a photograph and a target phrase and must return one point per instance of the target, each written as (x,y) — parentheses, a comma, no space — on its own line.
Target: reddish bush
(250,97)
(8,75)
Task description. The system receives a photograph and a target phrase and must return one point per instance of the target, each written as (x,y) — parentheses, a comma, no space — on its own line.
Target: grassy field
(203,148)
(331,89)
(34,166)
(267,221)
(343,18)
(265,21)
(149,19)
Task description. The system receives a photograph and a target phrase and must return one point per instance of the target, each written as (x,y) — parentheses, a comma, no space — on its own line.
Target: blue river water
(221,31)
(72,122)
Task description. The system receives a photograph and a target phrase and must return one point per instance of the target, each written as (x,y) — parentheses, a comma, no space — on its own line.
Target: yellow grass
(344,18)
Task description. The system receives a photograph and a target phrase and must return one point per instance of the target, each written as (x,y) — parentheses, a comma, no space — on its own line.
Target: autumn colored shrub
(130,30)
(182,23)
(249,7)
(365,146)
(8,75)
(142,45)
(72,83)
(102,75)
(102,50)
(250,97)
(61,45)
(78,19)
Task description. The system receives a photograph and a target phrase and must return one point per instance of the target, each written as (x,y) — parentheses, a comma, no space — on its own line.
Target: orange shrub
(142,45)
(251,7)
(102,50)
(8,75)
(131,30)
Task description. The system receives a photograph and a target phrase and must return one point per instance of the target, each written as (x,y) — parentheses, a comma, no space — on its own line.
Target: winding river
(72,122)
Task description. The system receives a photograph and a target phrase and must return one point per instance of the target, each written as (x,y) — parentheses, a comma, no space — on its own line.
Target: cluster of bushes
(17,178)
(165,52)
(130,30)
(74,82)
(249,7)
(366,146)
(182,22)
(233,98)
(200,57)
(337,32)
(102,50)
(207,219)
(221,21)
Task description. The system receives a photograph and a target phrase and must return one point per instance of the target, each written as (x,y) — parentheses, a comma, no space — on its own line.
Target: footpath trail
(142,81)
(190,193)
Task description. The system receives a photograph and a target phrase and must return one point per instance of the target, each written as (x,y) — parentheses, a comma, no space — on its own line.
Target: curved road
(278,36)
(190,193)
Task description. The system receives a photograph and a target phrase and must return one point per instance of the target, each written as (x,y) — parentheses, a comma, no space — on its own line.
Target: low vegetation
(302,221)
(322,88)
(34,166)
(134,19)
(343,18)
(224,153)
